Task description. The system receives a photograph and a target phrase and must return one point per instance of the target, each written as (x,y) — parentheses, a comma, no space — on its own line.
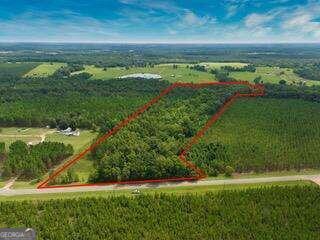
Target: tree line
(278,213)
(148,147)
(30,162)
(74,101)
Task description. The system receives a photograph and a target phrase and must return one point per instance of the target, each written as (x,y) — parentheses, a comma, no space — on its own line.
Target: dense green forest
(261,135)
(9,71)
(73,101)
(279,213)
(148,147)
(309,71)
(285,91)
(30,162)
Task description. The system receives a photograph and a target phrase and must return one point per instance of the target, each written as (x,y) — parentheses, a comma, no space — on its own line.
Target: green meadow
(44,69)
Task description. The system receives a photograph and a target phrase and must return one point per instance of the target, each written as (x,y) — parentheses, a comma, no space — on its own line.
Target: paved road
(206,182)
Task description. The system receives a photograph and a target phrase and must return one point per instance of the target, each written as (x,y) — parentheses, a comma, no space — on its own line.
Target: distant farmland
(44,70)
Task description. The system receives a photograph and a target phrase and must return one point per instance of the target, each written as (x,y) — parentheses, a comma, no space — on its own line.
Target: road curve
(205,182)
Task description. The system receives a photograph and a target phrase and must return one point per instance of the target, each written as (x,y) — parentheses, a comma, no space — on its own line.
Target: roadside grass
(178,190)
(273,75)
(44,70)
(277,173)
(268,174)
(24,184)
(83,168)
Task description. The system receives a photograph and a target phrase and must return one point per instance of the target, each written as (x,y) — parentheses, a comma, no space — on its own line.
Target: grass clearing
(44,70)
(78,142)
(218,65)
(28,135)
(272,75)
(180,74)
(83,168)
(168,190)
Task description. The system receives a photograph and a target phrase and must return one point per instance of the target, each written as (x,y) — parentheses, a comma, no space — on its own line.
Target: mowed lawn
(269,135)
(44,70)
(273,75)
(78,142)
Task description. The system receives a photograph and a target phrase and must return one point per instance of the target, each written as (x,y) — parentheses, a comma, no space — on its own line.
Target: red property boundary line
(257,90)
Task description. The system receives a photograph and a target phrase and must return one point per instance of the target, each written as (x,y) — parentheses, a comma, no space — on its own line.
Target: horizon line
(142,42)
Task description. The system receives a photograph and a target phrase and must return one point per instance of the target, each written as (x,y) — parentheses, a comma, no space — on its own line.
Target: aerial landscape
(135,119)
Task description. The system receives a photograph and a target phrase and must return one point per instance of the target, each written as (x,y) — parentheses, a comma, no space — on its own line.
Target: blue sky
(160,21)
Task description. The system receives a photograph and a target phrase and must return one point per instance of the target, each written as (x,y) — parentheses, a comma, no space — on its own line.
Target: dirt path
(8,184)
(42,136)
(208,182)
(317,180)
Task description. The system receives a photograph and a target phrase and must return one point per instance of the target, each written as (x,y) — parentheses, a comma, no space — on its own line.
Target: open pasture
(44,70)
(273,75)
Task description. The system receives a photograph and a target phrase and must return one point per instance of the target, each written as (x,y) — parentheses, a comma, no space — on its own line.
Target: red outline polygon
(257,90)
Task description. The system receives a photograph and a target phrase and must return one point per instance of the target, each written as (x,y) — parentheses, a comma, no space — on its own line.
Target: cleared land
(78,142)
(180,74)
(28,135)
(36,135)
(184,74)
(218,65)
(44,70)
(273,75)
(266,135)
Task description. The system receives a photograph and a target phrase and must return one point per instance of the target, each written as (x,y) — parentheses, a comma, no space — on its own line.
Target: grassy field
(181,74)
(269,135)
(44,70)
(218,65)
(272,75)
(167,190)
(79,143)
(34,135)
(28,135)
(184,74)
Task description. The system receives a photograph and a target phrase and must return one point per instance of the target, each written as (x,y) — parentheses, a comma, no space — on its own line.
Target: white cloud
(191,19)
(304,20)
(232,10)
(256,20)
